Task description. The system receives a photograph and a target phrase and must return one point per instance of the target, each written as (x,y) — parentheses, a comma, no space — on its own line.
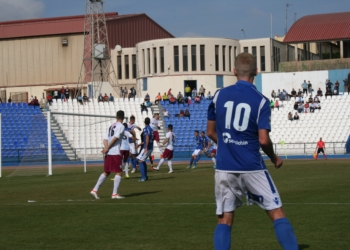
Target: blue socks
(191,162)
(285,234)
(133,162)
(197,159)
(222,237)
(145,169)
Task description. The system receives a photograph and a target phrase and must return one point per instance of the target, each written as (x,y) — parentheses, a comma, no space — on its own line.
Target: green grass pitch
(170,211)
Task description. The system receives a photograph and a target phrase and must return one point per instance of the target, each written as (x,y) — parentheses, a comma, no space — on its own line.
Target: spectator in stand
(273,94)
(31,99)
(187,114)
(67,93)
(300,92)
(346,85)
(181,114)
(100,98)
(169,93)
(80,99)
(125,93)
(187,90)
(209,97)
(312,107)
(133,93)
(329,84)
(295,106)
(111,97)
(197,99)
(49,99)
(296,116)
(306,107)
(290,116)
(63,95)
(121,92)
(300,107)
(316,99)
(158,98)
(319,92)
(336,88)
(74,93)
(55,94)
(293,93)
(147,97)
(144,108)
(278,93)
(85,98)
(172,99)
(194,93)
(277,105)
(148,104)
(300,99)
(165,113)
(36,102)
(165,97)
(9,100)
(310,99)
(317,105)
(180,98)
(281,96)
(304,87)
(309,87)
(272,104)
(328,93)
(105,98)
(201,91)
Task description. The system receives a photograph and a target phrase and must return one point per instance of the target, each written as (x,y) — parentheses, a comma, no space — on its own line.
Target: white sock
(126,168)
(214,160)
(160,149)
(160,163)
(117,179)
(170,166)
(100,181)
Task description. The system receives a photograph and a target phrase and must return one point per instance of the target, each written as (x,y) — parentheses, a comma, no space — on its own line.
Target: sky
(189,18)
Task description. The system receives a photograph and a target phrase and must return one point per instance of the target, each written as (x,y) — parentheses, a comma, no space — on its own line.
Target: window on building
(184,58)
(144,61)
(245,49)
(235,52)
(254,54)
(194,57)
(155,60)
(224,58)
(262,58)
(161,51)
(202,55)
(219,82)
(149,60)
(119,67)
(126,61)
(176,58)
(144,84)
(217,57)
(134,74)
(230,58)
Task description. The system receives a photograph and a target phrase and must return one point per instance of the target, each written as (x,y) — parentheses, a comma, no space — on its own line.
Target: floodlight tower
(97,67)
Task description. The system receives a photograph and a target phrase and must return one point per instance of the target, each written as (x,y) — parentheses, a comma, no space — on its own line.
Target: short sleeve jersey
(147,131)
(205,140)
(240,111)
(320,144)
(199,142)
(171,140)
(115,130)
(125,142)
(154,124)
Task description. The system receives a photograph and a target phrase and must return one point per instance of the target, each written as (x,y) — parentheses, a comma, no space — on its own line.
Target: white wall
(288,81)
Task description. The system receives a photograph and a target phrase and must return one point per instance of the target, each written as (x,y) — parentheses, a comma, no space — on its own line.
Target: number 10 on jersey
(242,107)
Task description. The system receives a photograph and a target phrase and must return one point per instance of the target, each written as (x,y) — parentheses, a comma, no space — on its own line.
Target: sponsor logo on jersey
(228,140)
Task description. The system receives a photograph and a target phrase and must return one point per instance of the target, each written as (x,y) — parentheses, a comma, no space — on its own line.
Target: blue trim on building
(258,82)
(338,75)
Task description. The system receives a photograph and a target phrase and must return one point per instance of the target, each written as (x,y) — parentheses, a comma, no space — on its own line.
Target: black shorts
(320,150)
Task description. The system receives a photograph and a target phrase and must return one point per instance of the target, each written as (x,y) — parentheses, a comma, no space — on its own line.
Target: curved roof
(321,27)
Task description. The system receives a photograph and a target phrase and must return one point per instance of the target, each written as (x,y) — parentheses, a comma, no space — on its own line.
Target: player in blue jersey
(147,149)
(198,150)
(239,122)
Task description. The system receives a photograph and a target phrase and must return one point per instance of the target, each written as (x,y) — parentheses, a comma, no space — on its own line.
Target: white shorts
(258,188)
(132,148)
(142,156)
(196,152)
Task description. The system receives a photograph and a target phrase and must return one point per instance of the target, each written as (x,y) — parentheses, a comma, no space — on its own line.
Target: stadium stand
(96,127)
(24,134)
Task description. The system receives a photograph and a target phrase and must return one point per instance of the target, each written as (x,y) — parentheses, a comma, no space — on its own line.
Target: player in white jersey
(155,126)
(169,150)
(113,159)
(212,154)
(132,126)
(125,149)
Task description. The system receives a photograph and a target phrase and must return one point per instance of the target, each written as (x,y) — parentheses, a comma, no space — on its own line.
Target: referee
(320,148)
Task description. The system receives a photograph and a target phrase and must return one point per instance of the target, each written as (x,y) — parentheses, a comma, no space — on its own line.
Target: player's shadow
(303,246)
(143,193)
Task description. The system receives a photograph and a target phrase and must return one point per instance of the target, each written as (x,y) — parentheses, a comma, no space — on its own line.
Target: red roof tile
(322,27)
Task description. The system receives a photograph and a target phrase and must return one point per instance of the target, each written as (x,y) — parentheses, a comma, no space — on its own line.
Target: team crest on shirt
(276,200)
